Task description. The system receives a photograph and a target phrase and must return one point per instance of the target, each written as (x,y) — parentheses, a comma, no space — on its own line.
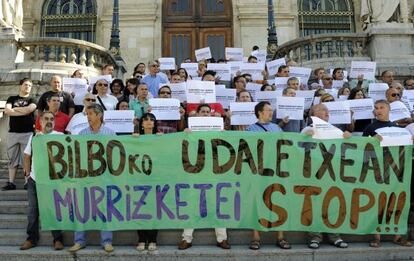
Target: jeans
(33,216)
(106,237)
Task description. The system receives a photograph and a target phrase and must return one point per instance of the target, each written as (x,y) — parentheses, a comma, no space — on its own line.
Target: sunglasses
(90,100)
(102,84)
(165,92)
(49,119)
(395,95)
(328,79)
(330,100)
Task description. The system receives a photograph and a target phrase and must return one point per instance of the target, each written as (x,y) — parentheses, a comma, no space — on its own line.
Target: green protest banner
(263,181)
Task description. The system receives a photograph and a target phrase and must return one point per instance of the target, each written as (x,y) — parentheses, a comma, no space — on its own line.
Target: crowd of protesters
(55,112)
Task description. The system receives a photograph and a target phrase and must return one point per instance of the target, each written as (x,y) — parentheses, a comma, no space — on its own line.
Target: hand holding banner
(394,136)
(324,130)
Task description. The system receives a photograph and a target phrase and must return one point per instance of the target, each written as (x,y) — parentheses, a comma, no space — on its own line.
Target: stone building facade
(143,26)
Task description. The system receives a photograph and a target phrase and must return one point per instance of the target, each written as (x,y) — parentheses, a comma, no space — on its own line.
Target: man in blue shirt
(153,79)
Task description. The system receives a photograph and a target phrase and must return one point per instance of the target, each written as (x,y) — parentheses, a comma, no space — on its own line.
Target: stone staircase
(13,220)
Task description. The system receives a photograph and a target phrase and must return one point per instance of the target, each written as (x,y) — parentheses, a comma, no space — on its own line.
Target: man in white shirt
(47,123)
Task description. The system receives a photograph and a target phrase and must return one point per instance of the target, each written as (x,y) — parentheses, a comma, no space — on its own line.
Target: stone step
(13,195)
(10,221)
(15,236)
(19,182)
(13,207)
(355,252)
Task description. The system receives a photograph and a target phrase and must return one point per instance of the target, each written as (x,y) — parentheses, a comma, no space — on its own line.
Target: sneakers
(58,245)
(76,247)
(152,246)
(108,248)
(27,245)
(9,186)
(141,246)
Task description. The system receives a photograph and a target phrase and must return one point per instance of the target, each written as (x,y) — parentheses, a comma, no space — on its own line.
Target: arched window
(69,18)
(325,16)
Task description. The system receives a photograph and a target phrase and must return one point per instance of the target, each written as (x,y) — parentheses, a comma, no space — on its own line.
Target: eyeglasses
(102,84)
(90,100)
(329,100)
(395,95)
(155,65)
(48,119)
(165,92)
(328,79)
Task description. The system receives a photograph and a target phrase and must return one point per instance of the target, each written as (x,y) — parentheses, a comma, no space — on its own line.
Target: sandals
(255,245)
(340,244)
(402,242)
(375,243)
(283,244)
(314,244)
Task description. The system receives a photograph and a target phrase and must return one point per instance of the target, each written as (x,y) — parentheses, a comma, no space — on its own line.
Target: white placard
(191,68)
(77,123)
(410,128)
(365,68)
(324,130)
(77,86)
(165,109)
(220,86)
(333,92)
(281,82)
(205,123)
(399,111)
(201,92)
(273,66)
(339,112)
(253,88)
(222,70)
(301,72)
(269,96)
(394,136)
(167,63)
(290,106)
(120,121)
(337,84)
(408,97)
(203,54)
(234,54)
(376,91)
(362,108)
(235,67)
(242,113)
(225,97)
(254,69)
(177,90)
(343,97)
(308,95)
(260,55)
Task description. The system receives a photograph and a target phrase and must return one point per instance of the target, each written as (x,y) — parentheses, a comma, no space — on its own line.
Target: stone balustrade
(324,49)
(48,52)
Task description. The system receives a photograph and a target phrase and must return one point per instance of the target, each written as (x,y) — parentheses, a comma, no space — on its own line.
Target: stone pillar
(8,49)
(392,45)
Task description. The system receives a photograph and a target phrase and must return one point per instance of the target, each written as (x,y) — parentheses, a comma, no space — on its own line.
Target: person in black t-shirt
(382,119)
(67,105)
(20,109)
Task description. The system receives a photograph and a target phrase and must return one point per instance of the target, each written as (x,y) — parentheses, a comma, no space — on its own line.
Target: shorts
(16,143)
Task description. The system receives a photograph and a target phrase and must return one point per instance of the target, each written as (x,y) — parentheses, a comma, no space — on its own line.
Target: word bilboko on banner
(263,181)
